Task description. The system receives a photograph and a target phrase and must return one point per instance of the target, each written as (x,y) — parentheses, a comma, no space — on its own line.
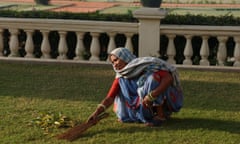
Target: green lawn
(120,9)
(211,112)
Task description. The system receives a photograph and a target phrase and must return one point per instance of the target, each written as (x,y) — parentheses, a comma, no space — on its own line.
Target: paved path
(72,6)
(77,6)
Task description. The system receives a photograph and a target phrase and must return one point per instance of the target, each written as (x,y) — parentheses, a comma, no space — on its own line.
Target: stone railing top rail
(200,30)
(67,25)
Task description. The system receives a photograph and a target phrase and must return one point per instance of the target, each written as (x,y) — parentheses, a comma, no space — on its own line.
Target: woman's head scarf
(123,54)
(135,66)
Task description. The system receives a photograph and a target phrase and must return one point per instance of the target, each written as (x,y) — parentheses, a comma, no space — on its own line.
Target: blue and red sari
(137,79)
(128,103)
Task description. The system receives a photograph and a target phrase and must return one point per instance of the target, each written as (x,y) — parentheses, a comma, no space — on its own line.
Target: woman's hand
(147,102)
(166,81)
(101,108)
(94,115)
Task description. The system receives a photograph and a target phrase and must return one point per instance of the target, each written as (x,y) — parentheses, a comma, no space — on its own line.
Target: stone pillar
(62,46)
(95,47)
(45,46)
(171,51)
(204,51)
(80,48)
(149,30)
(222,50)
(188,51)
(1,42)
(13,43)
(29,46)
(237,51)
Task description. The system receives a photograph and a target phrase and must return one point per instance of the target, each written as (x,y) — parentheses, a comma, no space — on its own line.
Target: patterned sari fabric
(137,79)
(128,104)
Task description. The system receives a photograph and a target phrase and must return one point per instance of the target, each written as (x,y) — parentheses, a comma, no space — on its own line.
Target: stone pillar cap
(150,13)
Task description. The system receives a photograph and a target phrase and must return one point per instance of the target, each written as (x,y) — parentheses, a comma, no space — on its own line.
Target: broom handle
(102,116)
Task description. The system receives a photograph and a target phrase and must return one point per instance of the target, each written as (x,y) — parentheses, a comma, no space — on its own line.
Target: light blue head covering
(123,54)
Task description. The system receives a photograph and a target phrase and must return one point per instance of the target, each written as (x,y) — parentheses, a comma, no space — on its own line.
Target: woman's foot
(159,113)
(119,120)
(154,123)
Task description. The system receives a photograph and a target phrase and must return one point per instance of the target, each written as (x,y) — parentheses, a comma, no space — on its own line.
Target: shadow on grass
(201,123)
(175,124)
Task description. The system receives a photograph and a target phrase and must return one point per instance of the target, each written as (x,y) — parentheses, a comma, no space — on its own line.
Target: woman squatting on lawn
(145,90)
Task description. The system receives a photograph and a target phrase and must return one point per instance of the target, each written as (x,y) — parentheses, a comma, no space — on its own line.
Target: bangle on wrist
(151,98)
(102,105)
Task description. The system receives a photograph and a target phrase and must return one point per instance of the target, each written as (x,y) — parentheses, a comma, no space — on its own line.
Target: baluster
(111,44)
(62,47)
(13,43)
(204,51)
(222,50)
(79,47)
(188,52)
(171,51)
(1,42)
(45,46)
(237,52)
(29,46)
(129,41)
(95,47)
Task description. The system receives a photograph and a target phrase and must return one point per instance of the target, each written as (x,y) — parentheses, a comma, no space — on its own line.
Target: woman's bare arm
(166,81)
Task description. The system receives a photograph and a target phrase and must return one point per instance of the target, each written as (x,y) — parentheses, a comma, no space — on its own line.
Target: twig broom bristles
(75,132)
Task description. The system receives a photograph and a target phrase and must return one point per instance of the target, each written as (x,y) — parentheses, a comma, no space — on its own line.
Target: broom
(75,132)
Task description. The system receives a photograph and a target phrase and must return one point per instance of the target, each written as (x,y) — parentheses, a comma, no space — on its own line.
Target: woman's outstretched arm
(107,101)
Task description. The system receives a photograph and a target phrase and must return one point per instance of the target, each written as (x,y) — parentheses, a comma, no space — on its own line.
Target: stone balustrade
(111,29)
(80,28)
(221,33)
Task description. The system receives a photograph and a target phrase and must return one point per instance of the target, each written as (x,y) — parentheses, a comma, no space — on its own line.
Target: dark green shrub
(43,2)
(151,3)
